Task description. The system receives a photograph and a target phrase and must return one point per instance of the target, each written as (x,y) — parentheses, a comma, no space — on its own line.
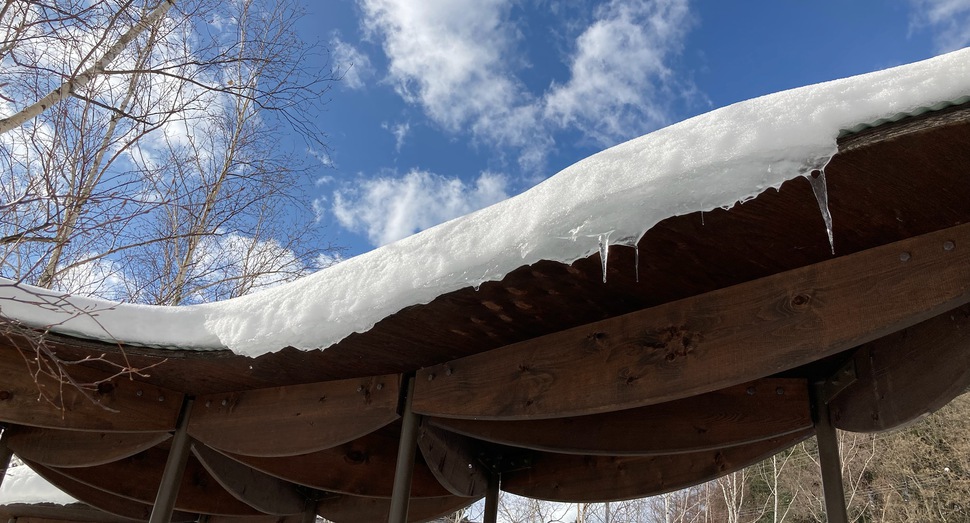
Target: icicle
(636,261)
(702,218)
(821,191)
(604,251)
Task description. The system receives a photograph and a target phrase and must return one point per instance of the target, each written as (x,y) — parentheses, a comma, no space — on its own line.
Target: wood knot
(106,387)
(356,457)
(5,395)
(800,300)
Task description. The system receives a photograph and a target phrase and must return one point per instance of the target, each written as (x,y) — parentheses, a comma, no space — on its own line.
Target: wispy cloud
(400,131)
(352,64)
(390,208)
(618,71)
(948,19)
(459,60)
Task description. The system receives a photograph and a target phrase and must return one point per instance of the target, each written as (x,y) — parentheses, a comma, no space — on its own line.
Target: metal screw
(360,388)
(780,391)
(430,377)
(448,371)
(904,256)
(750,391)
(380,386)
(207,403)
(469,466)
(949,245)
(225,402)
(138,393)
(161,398)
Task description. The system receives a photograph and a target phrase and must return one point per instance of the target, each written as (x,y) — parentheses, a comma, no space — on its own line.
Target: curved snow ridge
(714,160)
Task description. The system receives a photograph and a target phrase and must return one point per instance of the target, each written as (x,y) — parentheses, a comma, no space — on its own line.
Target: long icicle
(821,190)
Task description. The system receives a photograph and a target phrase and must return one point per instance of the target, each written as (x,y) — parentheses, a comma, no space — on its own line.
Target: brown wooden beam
(261,491)
(117,405)
(354,508)
(74,512)
(71,448)
(906,375)
(453,460)
(138,478)
(363,467)
(295,419)
(745,413)
(707,342)
(101,499)
(572,478)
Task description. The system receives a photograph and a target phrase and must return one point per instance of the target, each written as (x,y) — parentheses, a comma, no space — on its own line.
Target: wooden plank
(101,499)
(907,375)
(295,419)
(587,479)
(74,512)
(453,460)
(363,467)
(71,448)
(746,413)
(261,491)
(118,405)
(707,342)
(138,478)
(351,509)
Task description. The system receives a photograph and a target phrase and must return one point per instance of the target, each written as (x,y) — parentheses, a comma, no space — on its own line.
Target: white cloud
(388,209)
(353,65)
(619,69)
(948,19)
(458,60)
(400,132)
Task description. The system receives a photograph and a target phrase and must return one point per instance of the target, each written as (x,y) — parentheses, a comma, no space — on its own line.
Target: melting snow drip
(604,251)
(636,261)
(821,191)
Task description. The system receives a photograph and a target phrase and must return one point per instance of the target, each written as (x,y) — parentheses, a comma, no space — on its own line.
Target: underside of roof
(701,353)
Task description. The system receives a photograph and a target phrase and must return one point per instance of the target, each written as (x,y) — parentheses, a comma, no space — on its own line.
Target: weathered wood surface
(566,477)
(741,414)
(261,491)
(351,509)
(707,342)
(295,419)
(71,448)
(51,512)
(119,404)
(453,459)
(907,374)
(139,476)
(363,467)
(101,499)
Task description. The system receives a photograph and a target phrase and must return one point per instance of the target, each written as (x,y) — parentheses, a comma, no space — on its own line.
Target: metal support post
(178,455)
(491,498)
(310,513)
(829,460)
(5,455)
(401,494)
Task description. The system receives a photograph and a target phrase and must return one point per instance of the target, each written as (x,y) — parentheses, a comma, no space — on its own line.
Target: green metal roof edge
(900,116)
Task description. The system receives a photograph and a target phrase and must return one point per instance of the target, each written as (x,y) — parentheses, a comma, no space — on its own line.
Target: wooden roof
(698,356)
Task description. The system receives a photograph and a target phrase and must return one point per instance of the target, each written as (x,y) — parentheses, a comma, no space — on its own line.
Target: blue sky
(446,106)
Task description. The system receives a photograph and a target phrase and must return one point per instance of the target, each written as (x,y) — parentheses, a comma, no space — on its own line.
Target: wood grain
(571,478)
(907,375)
(118,405)
(741,414)
(138,477)
(261,491)
(71,448)
(353,509)
(707,342)
(101,499)
(453,460)
(295,419)
(363,467)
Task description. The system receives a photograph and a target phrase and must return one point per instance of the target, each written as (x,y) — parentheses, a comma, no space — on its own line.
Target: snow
(23,485)
(727,156)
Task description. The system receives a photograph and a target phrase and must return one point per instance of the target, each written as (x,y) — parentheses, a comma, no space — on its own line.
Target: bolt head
(905,256)
(949,245)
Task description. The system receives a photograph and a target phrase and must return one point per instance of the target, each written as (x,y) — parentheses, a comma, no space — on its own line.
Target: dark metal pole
(310,513)
(174,468)
(829,460)
(491,498)
(401,494)
(5,455)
